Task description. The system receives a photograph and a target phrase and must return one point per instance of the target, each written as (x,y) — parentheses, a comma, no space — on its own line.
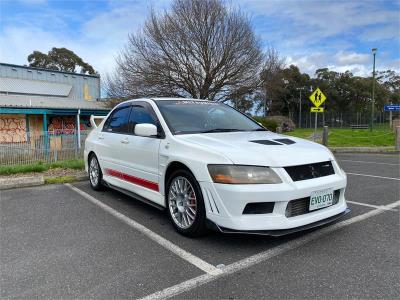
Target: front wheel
(95,174)
(185,204)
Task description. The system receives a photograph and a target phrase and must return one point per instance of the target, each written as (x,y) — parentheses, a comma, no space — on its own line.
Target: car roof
(160,99)
(177,99)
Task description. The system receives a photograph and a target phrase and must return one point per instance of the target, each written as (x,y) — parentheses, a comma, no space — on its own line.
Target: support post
(397,139)
(315,128)
(46,135)
(78,128)
(325,136)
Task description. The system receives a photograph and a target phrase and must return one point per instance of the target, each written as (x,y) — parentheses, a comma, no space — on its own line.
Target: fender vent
(266,142)
(285,141)
(211,202)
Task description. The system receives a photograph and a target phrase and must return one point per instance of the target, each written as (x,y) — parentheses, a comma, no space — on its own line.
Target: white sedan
(211,166)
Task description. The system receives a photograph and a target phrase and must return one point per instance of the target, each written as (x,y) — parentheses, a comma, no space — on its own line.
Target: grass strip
(59,179)
(77,164)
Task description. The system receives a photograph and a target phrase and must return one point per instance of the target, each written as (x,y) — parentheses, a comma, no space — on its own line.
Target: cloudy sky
(311,34)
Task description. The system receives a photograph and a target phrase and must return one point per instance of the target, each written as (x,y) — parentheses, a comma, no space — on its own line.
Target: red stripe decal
(133,179)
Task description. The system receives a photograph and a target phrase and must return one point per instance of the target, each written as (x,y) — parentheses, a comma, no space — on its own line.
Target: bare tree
(199,49)
(271,78)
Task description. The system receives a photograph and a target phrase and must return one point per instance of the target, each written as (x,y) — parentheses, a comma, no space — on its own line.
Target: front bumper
(225,205)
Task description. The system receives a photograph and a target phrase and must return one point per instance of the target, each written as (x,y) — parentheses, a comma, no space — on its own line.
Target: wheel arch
(172,167)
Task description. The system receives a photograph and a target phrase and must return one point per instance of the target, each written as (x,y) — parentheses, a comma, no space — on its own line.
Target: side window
(118,120)
(140,115)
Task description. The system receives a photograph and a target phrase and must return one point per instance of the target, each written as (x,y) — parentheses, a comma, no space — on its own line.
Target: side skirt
(134,195)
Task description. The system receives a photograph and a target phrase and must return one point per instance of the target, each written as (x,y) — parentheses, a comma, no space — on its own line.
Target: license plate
(320,199)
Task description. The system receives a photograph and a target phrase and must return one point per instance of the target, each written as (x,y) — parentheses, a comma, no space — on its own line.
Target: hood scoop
(285,141)
(266,142)
(275,142)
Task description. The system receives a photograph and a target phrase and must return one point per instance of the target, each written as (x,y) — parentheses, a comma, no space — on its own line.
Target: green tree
(61,59)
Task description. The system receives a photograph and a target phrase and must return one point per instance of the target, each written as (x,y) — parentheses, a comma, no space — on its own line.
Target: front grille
(304,172)
(301,206)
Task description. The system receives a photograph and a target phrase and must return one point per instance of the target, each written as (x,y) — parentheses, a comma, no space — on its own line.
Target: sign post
(390,108)
(317,98)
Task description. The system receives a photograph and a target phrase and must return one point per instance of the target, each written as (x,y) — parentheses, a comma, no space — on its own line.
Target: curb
(363,149)
(19,182)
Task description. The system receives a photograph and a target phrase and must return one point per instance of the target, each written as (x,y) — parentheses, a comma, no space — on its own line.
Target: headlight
(234,174)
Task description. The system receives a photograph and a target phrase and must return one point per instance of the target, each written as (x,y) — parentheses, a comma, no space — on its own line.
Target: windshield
(190,116)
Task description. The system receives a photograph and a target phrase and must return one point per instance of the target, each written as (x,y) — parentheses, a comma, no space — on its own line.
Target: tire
(185,204)
(95,174)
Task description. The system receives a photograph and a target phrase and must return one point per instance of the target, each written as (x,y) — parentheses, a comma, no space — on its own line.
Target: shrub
(267,123)
(272,122)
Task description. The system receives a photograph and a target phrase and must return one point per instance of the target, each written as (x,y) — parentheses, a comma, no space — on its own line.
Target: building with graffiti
(46,103)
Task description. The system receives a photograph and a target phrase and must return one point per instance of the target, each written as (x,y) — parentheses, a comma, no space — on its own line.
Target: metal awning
(34,87)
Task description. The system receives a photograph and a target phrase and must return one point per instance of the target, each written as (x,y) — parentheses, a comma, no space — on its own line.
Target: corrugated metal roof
(34,87)
(24,101)
(48,70)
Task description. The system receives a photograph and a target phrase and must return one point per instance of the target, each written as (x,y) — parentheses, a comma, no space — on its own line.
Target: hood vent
(285,141)
(266,142)
(274,142)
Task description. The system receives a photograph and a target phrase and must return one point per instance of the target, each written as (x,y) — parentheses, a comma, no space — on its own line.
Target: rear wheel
(185,204)
(95,174)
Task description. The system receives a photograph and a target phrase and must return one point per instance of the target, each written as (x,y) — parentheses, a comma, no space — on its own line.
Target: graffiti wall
(12,129)
(66,124)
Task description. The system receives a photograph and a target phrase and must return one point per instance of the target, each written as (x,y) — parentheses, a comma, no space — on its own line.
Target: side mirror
(145,129)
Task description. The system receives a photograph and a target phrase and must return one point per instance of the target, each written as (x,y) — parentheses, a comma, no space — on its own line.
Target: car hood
(240,148)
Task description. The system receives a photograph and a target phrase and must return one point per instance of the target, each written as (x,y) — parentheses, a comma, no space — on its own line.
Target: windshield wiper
(260,129)
(221,130)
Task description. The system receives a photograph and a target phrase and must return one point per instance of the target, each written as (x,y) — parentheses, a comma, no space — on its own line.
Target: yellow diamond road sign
(317,97)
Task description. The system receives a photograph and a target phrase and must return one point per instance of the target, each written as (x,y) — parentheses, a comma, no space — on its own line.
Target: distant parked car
(211,166)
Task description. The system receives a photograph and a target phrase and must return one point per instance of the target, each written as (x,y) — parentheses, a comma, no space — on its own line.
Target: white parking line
(368,162)
(374,176)
(371,205)
(263,256)
(194,260)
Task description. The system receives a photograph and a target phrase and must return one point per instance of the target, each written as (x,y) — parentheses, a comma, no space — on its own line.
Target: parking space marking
(368,162)
(263,256)
(371,205)
(374,176)
(192,259)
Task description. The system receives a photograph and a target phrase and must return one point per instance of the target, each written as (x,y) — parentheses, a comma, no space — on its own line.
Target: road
(67,241)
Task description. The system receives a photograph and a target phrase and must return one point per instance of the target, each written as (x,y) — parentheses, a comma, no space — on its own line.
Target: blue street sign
(392,107)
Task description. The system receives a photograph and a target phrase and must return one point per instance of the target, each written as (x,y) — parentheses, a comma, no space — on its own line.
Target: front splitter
(281,232)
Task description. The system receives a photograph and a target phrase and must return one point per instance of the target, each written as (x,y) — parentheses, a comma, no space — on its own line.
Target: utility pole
(300,89)
(374,50)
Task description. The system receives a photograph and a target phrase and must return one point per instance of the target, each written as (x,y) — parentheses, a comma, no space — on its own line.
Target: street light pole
(374,50)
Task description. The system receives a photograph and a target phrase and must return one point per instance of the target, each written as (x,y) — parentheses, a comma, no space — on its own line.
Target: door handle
(125,141)
(101,137)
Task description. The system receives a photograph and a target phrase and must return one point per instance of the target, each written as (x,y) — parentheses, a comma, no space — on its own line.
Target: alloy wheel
(182,202)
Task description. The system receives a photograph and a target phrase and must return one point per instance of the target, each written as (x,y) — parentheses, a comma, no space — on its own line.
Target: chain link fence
(43,147)
(342,120)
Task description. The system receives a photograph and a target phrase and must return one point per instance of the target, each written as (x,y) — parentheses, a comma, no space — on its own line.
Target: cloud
(382,33)
(311,34)
(343,58)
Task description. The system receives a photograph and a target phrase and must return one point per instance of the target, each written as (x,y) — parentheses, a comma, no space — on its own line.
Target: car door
(140,154)
(110,141)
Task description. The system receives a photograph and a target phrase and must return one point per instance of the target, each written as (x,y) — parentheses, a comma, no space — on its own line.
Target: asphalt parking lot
(67,241)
